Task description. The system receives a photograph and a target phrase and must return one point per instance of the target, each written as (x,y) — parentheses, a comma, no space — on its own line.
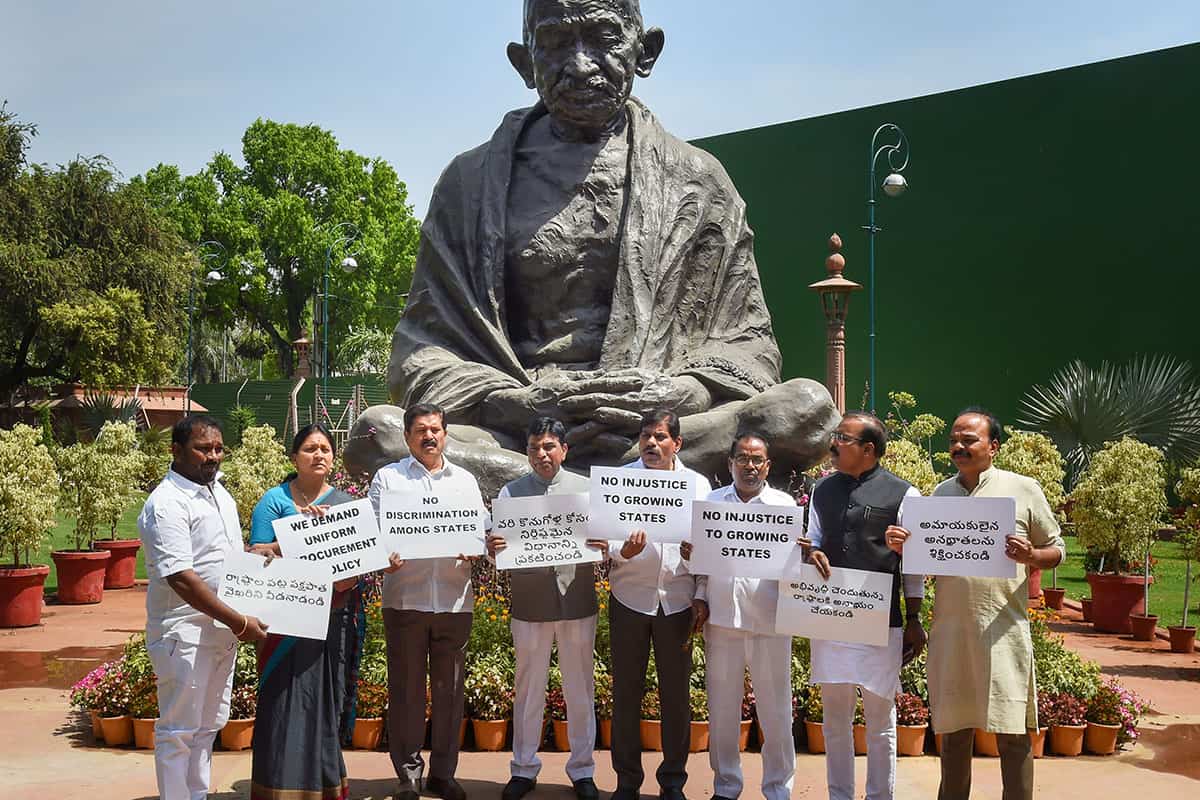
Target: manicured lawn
(1166,594)
(63,538)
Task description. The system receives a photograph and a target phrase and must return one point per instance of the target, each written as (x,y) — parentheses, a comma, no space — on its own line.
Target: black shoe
(625,794)
(407,793)
(671,794)
(516,788)
(585,789)
(445,788)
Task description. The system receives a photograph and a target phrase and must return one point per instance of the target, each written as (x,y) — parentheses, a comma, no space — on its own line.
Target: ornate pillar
(835,294)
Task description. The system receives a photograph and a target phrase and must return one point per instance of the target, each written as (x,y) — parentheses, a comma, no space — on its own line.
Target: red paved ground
(46,751)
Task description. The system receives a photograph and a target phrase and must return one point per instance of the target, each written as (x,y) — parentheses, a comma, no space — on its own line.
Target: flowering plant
(651,705)
(243,703)
(1063,709)
(747,698)
(813,710)
(911,710)
(85,694)
(698,701)
(604,693)
(556,704)
(1113,704)
(371,701)
(112,691)
(860,717)
(488,686)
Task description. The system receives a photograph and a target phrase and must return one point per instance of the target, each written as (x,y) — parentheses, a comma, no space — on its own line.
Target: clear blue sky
(417,81)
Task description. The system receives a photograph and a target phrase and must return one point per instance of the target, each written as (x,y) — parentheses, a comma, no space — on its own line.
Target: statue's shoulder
(684,156)
(467,168)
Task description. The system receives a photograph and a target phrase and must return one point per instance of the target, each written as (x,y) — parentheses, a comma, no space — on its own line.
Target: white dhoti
(194,687)
(728,652)
(532,642)
(840,667)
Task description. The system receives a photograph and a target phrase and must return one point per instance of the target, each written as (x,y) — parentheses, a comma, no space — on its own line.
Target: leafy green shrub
(28,492)
(487,688)
(371,700)
(698,702)
(241,419)
(911,710)
(98,480)
(1120,500)
(813,710)
(1057,669)
(910,462)
(604,693)
(1035,456)
(651,704)
(1113,704)
(258,465)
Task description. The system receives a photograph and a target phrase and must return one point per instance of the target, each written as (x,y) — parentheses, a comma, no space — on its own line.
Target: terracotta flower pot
(143,733)
(744,735)
(121,566)
(815,732)
(367,733)
(562,741)
(97,728)
(1037,742)
(80,575)
(1183,640)
(985,744)
(1114,599)
(118,731)
(21,595)
(605,728)
(489,733)
(1054,598)
(1067,740)
(1143,626)
(698,737)
(651,730)
(910,740)
(860,739)
(1085,608)
(462,732)
(1101,739)
(238,734)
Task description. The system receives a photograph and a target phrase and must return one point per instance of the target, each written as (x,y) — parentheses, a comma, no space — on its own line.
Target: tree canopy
(276,217)
(92,277)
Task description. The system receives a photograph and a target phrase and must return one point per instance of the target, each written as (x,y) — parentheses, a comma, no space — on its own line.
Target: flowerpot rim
(1105,725)
(477,719)
(1144,616)
(69,555)
(24,570)
(145,719)
(1118,577)
(1181,627)
(105,543)
(1072,727)
(243,719)
(921,725)
(368,719)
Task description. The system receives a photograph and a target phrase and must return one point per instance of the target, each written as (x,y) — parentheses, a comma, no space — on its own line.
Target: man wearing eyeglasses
(848,520)
(740,634)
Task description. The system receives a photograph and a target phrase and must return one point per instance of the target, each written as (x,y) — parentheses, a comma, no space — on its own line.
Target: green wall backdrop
(1048,218)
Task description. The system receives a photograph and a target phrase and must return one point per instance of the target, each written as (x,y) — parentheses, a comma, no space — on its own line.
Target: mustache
(568,83)
(429,443)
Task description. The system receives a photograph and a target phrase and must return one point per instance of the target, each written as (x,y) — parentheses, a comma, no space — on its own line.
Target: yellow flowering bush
(1035,456)
(1120,501)
(28,492)
(258,465)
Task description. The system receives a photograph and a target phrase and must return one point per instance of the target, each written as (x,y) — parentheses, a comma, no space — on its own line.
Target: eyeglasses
(844,438)
(743,460)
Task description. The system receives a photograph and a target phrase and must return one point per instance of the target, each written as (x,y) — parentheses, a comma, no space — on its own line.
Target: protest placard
(291,595)
(959,536)
(658,502)
(854,605)
(346,538)
(542,531)
(419,525)
(743,540)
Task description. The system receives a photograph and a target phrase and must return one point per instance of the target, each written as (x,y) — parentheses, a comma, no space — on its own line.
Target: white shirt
(440,585)
(875,668)
(657,576)
(186,525)
(746,604)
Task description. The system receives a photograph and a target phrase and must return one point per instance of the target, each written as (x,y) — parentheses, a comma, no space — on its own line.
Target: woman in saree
(306,689)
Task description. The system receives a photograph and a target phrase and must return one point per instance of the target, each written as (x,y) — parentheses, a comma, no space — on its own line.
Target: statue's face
(584,57)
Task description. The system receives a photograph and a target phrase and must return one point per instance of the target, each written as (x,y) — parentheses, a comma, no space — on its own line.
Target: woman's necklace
(304,501)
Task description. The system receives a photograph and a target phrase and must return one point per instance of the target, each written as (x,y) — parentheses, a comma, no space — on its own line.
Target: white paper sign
(743,540)
(291,595)
(658,502)
(959,536)
(854,605)
(346,539)
(542,531)
(419,525)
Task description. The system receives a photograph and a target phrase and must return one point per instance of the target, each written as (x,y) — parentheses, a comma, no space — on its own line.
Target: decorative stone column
(835,294)
(303,350)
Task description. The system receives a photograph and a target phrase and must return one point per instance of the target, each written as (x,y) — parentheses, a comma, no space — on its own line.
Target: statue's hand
(618,399)
(512,408)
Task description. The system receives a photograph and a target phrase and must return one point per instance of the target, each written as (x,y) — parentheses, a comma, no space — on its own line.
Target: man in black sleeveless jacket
(848,518)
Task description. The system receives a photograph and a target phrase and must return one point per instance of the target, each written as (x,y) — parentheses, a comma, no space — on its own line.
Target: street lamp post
(212,275)
(896,147)
(349,232)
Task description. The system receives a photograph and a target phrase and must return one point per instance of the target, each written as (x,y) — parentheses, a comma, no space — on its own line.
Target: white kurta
(980,650)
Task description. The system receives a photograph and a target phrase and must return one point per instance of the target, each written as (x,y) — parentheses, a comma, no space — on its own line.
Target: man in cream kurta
(980,650)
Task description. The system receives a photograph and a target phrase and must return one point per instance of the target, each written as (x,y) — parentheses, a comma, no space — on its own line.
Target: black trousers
(1016,765)
(632,635)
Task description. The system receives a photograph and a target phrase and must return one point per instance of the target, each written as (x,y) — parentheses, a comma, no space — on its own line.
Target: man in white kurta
(188,526)
(740,634)
(850,512)
(653,602)
(980,649)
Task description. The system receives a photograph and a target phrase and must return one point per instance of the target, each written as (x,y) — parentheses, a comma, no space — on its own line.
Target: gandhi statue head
(581,56)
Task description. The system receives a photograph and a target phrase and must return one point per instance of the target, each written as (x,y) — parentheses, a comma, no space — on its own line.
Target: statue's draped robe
(687,299)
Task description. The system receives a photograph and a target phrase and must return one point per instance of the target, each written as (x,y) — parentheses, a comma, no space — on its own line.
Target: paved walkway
(49,752)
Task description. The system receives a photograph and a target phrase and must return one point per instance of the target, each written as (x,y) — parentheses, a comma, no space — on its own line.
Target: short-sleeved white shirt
(657,576)
(186,525)
(439,585)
